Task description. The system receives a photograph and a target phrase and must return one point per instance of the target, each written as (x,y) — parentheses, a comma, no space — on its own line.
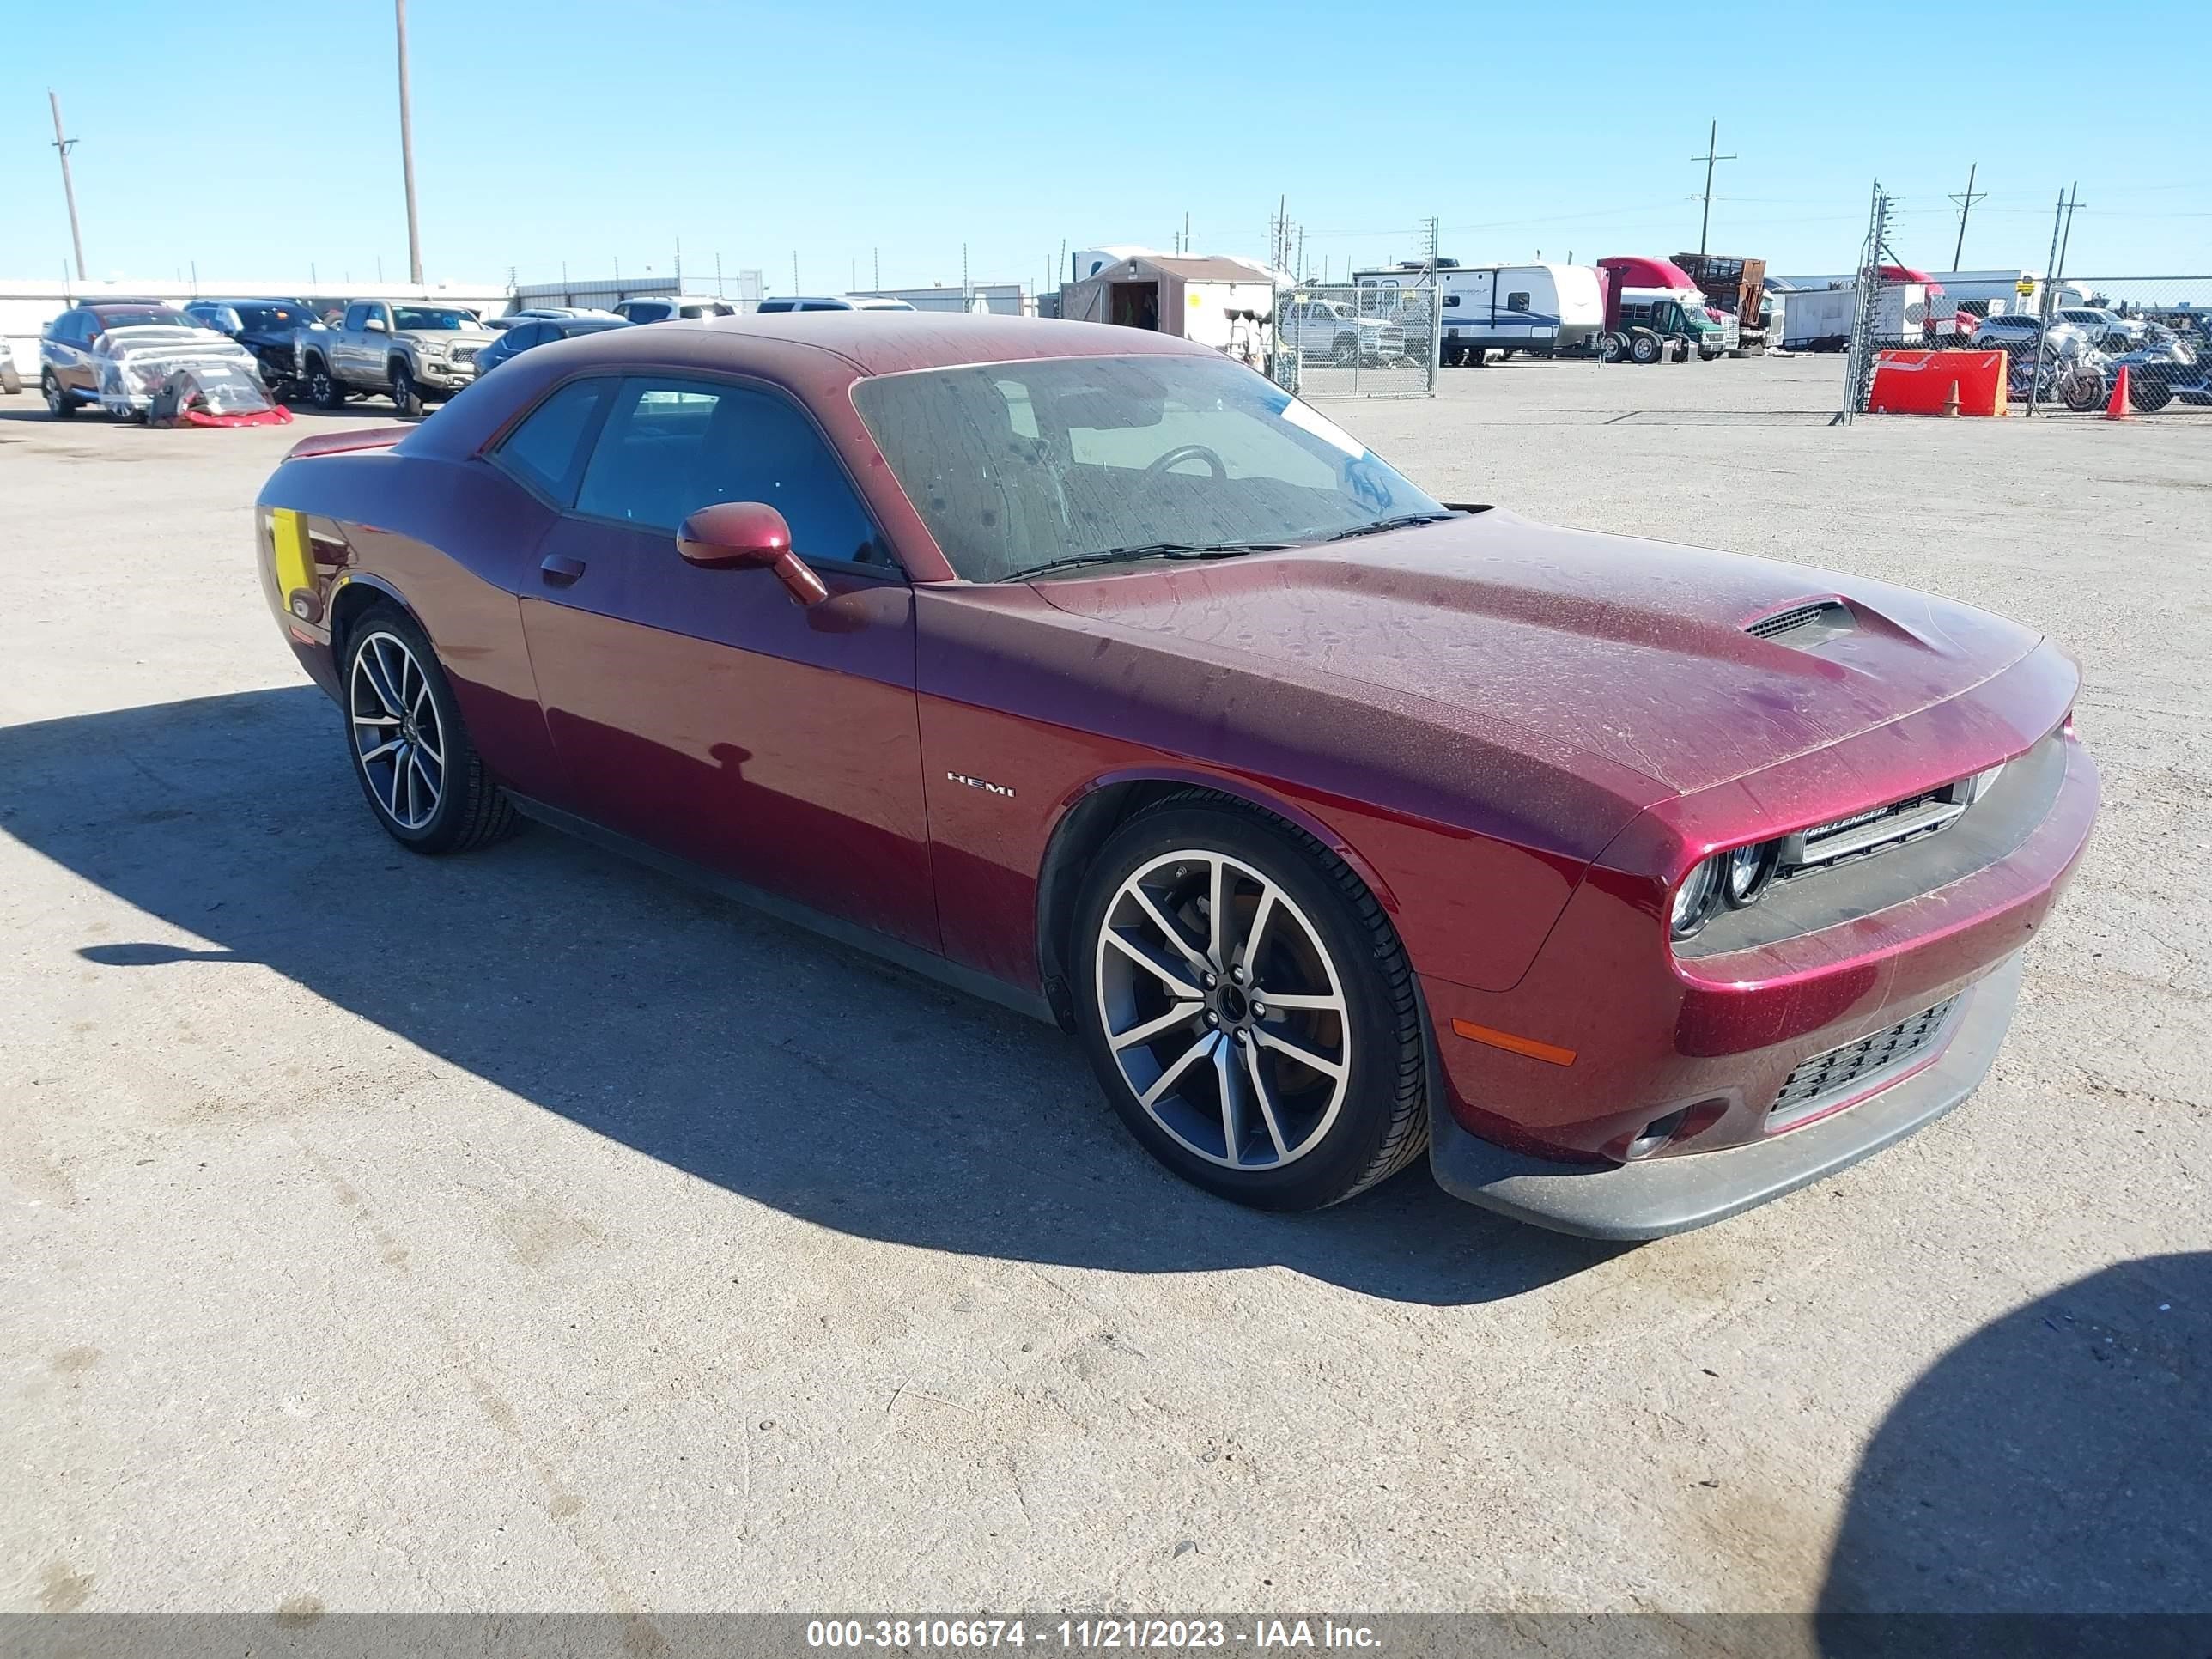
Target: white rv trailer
(1544,310)
(1820,319)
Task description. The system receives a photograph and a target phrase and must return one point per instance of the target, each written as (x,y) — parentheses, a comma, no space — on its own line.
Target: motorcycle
(2079,378)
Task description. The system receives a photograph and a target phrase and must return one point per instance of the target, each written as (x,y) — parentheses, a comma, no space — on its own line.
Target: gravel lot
(526,1231)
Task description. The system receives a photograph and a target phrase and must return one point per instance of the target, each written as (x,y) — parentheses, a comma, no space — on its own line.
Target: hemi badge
(980,783)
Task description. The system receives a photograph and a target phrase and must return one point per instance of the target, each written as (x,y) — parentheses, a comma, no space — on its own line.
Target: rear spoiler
(344,443)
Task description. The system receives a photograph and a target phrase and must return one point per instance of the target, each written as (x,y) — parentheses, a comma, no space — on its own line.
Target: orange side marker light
(1515,1045)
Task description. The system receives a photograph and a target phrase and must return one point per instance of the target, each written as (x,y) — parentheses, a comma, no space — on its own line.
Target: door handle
(560,569)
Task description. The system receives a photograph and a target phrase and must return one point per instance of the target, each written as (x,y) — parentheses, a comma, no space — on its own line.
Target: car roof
(892,342)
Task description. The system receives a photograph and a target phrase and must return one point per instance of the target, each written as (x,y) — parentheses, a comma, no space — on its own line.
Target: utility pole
(1186,233)
(65,146)
(407,150)
(875,266)
(1965,206)
(1712,145)
(2073,201)
(794,271)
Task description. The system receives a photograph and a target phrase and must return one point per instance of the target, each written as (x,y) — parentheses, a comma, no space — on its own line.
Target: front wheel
(2083,391)
(406,397)
(324,389)
(411,754)
(1248,1008)
(10,382)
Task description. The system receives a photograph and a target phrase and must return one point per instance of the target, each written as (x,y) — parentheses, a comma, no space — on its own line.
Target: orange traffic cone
(1951,399)
(2118,408)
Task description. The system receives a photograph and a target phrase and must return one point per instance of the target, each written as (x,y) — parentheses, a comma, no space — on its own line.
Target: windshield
(1013,466)
(273,317)
(433,318)
(144,317)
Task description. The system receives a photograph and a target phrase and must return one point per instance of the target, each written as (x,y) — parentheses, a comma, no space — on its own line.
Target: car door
(703,711)
(58,349)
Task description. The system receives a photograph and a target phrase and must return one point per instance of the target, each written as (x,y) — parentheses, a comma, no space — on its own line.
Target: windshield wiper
(1147,550)
(1403,521)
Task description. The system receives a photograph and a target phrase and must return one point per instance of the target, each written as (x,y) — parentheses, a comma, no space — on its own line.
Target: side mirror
(373,325)
(748,536)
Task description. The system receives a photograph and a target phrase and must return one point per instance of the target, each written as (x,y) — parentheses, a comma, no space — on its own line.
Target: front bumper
(1657,1196)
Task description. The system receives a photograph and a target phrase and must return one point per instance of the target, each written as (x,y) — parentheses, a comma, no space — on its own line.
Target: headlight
(1734,878)
(1749,869)
(1693,899)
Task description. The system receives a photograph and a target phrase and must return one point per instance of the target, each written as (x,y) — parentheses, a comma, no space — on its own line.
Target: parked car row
(114,354)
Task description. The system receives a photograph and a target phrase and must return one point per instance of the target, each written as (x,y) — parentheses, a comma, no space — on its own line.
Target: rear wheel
(1611,348)
(411,754)
(1248,1008)
(59,404)
(10,382)
(1646,349)
(2149,392)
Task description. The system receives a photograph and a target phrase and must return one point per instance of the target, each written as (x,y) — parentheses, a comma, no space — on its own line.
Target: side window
(1517,301)
(1451,301)
(531,334)
(669,447)
(356,317)
(546,450)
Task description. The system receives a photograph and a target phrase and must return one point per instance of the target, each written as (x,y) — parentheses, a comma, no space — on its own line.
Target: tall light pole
(1712,144)
(407,150)
(63,146)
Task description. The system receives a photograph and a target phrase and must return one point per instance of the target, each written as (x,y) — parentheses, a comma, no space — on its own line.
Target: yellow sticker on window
(295,566)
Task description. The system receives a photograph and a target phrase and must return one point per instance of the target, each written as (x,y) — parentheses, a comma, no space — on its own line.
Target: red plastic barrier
(1921,382)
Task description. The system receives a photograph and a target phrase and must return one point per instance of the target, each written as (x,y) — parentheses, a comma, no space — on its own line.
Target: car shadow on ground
(2058,1460)
(749,1053)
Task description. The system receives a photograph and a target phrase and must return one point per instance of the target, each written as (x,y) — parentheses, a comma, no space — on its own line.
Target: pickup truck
(1330,331)
(416,354)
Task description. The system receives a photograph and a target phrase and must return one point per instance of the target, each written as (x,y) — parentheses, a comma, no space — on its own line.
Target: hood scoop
(1802,627)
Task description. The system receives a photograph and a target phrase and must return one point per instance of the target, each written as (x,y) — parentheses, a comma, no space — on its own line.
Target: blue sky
(259,139)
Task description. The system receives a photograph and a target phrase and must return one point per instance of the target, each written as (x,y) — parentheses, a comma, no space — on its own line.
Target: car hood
(478,338)
(1629,650)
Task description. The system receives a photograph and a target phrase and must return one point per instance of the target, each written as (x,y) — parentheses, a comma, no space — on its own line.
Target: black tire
(1646,349)
(1345,352)
(10,382)
(471,809)
(406,396)
(2084,392)
(324,390)
(1380,1123)
(59,404)
(2148,393)
(1611,348)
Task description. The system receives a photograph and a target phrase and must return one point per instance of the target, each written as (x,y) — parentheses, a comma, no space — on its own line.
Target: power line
(1712,144)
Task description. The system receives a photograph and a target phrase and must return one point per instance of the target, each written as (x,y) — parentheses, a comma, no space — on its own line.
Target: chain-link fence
(2088,332)
(1357,340)
(2071,344)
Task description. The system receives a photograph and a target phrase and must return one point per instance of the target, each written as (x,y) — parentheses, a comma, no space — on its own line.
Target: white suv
(669,307)
(832,302)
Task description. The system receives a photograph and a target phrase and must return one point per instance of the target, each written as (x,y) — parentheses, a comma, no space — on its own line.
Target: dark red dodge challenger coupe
(1087,670)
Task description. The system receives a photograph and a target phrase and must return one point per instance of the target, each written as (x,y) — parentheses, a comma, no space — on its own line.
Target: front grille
(465,353)
(1819,1079)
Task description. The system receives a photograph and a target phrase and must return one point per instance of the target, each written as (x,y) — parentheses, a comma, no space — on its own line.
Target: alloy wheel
(398,737)
(1222,1010)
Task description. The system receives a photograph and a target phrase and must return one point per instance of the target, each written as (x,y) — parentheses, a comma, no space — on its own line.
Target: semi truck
(1736,286)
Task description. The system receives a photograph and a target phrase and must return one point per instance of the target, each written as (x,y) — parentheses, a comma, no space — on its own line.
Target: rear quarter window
(546,450)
